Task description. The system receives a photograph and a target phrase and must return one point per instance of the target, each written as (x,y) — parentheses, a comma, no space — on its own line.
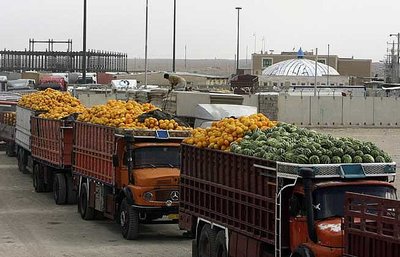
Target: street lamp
(174,37)
(145,44)
(237,46)
(84,42)
(398,56)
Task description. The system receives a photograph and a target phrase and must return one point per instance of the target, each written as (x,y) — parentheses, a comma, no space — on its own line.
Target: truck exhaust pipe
(307,174)
(129,141)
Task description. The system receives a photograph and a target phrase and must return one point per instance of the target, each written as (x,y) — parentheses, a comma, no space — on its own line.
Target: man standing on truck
(176,82)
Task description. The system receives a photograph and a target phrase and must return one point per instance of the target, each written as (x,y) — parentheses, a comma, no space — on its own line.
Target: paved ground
(31,225)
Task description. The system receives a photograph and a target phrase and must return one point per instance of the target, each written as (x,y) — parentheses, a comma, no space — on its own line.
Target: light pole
(237,46)
(145,43)
(84,42)
(174,38)
(397,72)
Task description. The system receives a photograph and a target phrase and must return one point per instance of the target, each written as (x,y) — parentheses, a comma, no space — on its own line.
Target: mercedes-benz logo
(174,195)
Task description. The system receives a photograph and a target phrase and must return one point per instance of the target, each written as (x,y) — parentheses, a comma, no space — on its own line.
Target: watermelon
(336,159)
(379,159)
(359,153)
(314,159)
(387,158)
(325,159)
(302,159)
(357,159)
(367,158)
(347,159)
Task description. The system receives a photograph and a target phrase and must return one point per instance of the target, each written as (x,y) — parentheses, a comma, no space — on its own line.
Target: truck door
(298,221)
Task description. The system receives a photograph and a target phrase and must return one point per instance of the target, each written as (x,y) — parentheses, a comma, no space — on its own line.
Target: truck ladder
(278,210)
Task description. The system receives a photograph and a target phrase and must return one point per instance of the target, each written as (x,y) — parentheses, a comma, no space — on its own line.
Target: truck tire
(207,242)
(220,248)
(37,178)
(10,150)
(71,193)
(129,221)
(194,248)
(60,189)
(87,213)
(22,161)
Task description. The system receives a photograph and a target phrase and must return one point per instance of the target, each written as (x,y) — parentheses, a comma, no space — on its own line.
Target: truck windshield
(159,156)
(329,201)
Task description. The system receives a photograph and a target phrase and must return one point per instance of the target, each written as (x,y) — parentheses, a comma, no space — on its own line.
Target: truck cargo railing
(51,141)
(158,134)
(372,226)
(230,189)
(340,170)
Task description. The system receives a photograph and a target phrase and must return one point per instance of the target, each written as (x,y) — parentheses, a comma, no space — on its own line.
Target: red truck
(51,152)
(235,205)
(55,82)
(131,176)
(371,226)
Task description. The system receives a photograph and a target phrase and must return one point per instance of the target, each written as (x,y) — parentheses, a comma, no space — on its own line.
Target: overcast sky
(358,28)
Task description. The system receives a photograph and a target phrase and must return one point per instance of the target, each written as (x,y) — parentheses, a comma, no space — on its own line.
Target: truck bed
(228,189)
(7,126)
(93,150)
(51,141)
(372,226)
(23,127)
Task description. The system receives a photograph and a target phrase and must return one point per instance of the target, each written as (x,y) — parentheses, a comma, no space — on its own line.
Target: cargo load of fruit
(287,144)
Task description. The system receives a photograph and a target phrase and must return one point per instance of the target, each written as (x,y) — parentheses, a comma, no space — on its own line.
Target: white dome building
(301,72)
(299,67)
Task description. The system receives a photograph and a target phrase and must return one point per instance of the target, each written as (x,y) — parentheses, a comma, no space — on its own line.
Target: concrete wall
(339,111)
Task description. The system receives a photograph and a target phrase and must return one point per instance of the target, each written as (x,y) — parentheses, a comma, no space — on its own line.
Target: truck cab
(131,176)
(316,228)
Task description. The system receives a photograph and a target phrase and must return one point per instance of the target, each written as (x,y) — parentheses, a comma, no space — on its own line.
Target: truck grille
(164,195)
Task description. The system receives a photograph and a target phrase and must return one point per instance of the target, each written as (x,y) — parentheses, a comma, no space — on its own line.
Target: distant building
(299,71)
(358,71)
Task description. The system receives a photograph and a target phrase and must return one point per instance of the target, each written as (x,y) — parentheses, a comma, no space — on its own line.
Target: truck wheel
(71,193)
(221,249)
(22,161)
(207,242)
(129,219)
(60,189)
(87,213)
(37,178)
(10,151)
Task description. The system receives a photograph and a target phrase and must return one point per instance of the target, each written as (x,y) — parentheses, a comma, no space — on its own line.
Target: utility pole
(185,59)
(327,78)
(145,44)
(174,38)
(316,70)
(237,46)
(84,42)
(397,71)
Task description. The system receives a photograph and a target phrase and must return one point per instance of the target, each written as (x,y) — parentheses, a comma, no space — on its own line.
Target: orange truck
(235,205)
(131,176)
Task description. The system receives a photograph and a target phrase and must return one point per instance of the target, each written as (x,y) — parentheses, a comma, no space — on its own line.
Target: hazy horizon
(353,28)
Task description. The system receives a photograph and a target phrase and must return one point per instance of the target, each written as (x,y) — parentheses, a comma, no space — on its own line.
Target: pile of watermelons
(289,143)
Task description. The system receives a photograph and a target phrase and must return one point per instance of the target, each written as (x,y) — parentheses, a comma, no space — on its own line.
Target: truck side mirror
(115,160)
(294,206)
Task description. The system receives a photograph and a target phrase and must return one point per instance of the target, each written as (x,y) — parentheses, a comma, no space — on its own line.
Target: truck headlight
(148,196)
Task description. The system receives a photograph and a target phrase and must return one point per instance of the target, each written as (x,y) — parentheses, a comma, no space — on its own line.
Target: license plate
(173,216)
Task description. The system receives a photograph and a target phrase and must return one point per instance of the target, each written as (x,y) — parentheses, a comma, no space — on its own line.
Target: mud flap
(194,248)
